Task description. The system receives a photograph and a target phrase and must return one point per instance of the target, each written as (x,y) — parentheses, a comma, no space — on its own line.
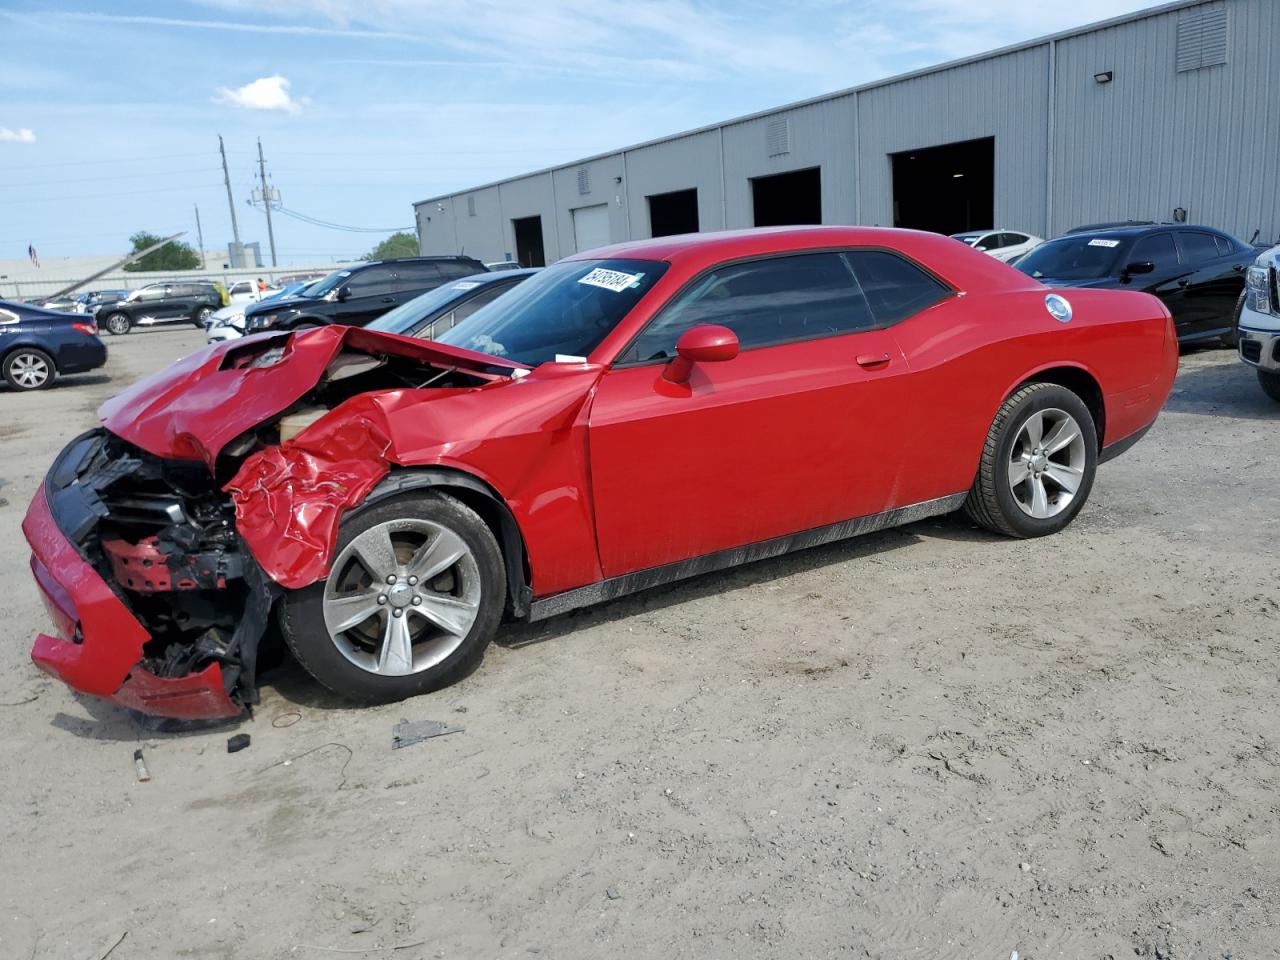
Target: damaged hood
(193,408)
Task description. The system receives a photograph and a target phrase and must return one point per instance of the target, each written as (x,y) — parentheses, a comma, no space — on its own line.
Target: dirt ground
(927,743)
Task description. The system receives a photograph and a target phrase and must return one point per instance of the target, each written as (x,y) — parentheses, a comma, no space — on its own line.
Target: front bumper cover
(98,648)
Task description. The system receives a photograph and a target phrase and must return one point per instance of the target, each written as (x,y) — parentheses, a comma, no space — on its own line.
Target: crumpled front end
(160,585)
(156,604)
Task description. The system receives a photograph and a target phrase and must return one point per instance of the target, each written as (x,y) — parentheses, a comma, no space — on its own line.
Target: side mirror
(705,343)
(1139,266)
(344,294)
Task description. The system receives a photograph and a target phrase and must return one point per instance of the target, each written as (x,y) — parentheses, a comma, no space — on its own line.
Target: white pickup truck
(1260,321)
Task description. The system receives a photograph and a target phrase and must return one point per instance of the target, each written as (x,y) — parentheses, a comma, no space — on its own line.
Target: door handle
(873,361)
(1184,282)
(388,299)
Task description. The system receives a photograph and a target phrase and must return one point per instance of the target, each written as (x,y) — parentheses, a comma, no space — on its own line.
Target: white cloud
(265,93)
(21,135)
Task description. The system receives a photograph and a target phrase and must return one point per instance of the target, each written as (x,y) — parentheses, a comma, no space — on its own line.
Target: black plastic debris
(408,732)
(237,743)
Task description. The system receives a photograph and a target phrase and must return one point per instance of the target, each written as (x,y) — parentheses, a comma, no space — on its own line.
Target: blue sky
(110,112)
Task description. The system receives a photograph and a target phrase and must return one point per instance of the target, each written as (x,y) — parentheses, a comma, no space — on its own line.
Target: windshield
(1073,258)
(407,316)
(321,287)
(564,311)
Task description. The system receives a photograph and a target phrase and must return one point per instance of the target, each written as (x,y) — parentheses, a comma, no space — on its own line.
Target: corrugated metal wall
(1004,97)
(1068,150)
(1155,139)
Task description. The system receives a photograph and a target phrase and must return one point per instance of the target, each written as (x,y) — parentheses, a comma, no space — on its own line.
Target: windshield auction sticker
(1104,243)
(614,280)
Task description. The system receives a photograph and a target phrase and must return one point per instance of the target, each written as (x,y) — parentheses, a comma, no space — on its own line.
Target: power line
(336,226)
(101,160)
(121,176)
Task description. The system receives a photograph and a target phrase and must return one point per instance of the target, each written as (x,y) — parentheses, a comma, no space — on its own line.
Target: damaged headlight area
(162,536)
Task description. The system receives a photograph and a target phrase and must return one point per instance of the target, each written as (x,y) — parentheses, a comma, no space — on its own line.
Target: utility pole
(266,201)
(200,235)
(238,251)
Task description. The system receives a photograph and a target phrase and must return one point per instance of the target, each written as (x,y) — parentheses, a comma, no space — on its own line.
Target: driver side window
(765,302)
(374,282)
(1159,249)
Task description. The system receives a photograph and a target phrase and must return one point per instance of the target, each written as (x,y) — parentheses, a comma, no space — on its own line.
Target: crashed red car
(628,417)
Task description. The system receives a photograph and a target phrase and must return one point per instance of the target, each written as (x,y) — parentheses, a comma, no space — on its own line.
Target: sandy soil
(927,743)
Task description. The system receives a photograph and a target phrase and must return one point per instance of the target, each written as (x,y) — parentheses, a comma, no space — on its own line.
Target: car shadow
(951,527)
(64,382)
(1222,389)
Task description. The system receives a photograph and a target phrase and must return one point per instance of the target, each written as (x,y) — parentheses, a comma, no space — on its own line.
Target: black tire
(991,502)
(1270,383)
(117,324)
(1232,339)
(302,611)
(21,369)
(202,316)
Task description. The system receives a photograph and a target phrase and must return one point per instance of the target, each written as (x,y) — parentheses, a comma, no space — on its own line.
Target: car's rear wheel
(1232,338)
(1270,383)
(413,597)
(118,324)
(1037,465)
(29,369)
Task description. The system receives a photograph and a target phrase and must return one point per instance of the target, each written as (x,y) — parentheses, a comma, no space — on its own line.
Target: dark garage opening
(672,213)
(529,242)
(787,198)
(946,189)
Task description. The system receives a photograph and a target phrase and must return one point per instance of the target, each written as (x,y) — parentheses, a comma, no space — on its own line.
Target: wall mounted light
(1179,215)
(956,176)
(1106,76)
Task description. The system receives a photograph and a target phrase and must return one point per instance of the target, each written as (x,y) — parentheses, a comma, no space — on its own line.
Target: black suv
(1197,271)
(359,293)
(160,303)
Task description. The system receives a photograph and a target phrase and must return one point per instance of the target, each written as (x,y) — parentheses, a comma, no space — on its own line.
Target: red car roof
(957,263)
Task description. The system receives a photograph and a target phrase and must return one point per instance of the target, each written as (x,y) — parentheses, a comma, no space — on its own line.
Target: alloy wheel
(402,596)
(30,371)
(1047,463)
(118,324)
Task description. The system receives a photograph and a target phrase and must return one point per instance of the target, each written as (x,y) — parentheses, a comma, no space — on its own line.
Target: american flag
(31,252)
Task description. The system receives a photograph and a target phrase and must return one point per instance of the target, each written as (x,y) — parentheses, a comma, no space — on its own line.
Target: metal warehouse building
(1162,114)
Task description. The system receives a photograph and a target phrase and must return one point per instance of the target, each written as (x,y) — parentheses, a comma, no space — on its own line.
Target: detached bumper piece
(155,605)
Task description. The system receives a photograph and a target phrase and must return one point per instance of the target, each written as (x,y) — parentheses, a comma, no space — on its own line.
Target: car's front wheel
(1037,465)
(1270,383)
(414,595)
(29,369)
(118,324)
(202,317)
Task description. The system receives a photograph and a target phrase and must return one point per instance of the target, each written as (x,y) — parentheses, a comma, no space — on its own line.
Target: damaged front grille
(163,536)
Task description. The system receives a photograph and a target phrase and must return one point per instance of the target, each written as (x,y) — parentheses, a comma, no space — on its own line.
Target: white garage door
(591,227)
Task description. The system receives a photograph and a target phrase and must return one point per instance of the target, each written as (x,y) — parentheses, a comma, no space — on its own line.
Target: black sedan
(37,345)
(432,313)
(1197,271)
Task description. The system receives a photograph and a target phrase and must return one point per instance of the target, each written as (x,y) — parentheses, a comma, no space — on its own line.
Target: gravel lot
(926,743)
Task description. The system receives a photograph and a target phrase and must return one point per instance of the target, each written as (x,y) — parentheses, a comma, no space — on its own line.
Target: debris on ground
(286,719)
(237,743)
(408,732)
(141,766)
(612,893)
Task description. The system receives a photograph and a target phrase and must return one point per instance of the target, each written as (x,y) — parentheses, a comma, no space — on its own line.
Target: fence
(35,289)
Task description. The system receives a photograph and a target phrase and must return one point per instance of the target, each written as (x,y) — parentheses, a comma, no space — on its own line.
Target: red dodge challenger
(628,417)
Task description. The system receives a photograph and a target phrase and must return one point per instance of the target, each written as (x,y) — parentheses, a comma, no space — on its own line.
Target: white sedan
(1006,245)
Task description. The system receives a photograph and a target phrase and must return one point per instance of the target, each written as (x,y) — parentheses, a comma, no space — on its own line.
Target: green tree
(402,244)
(174,255)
